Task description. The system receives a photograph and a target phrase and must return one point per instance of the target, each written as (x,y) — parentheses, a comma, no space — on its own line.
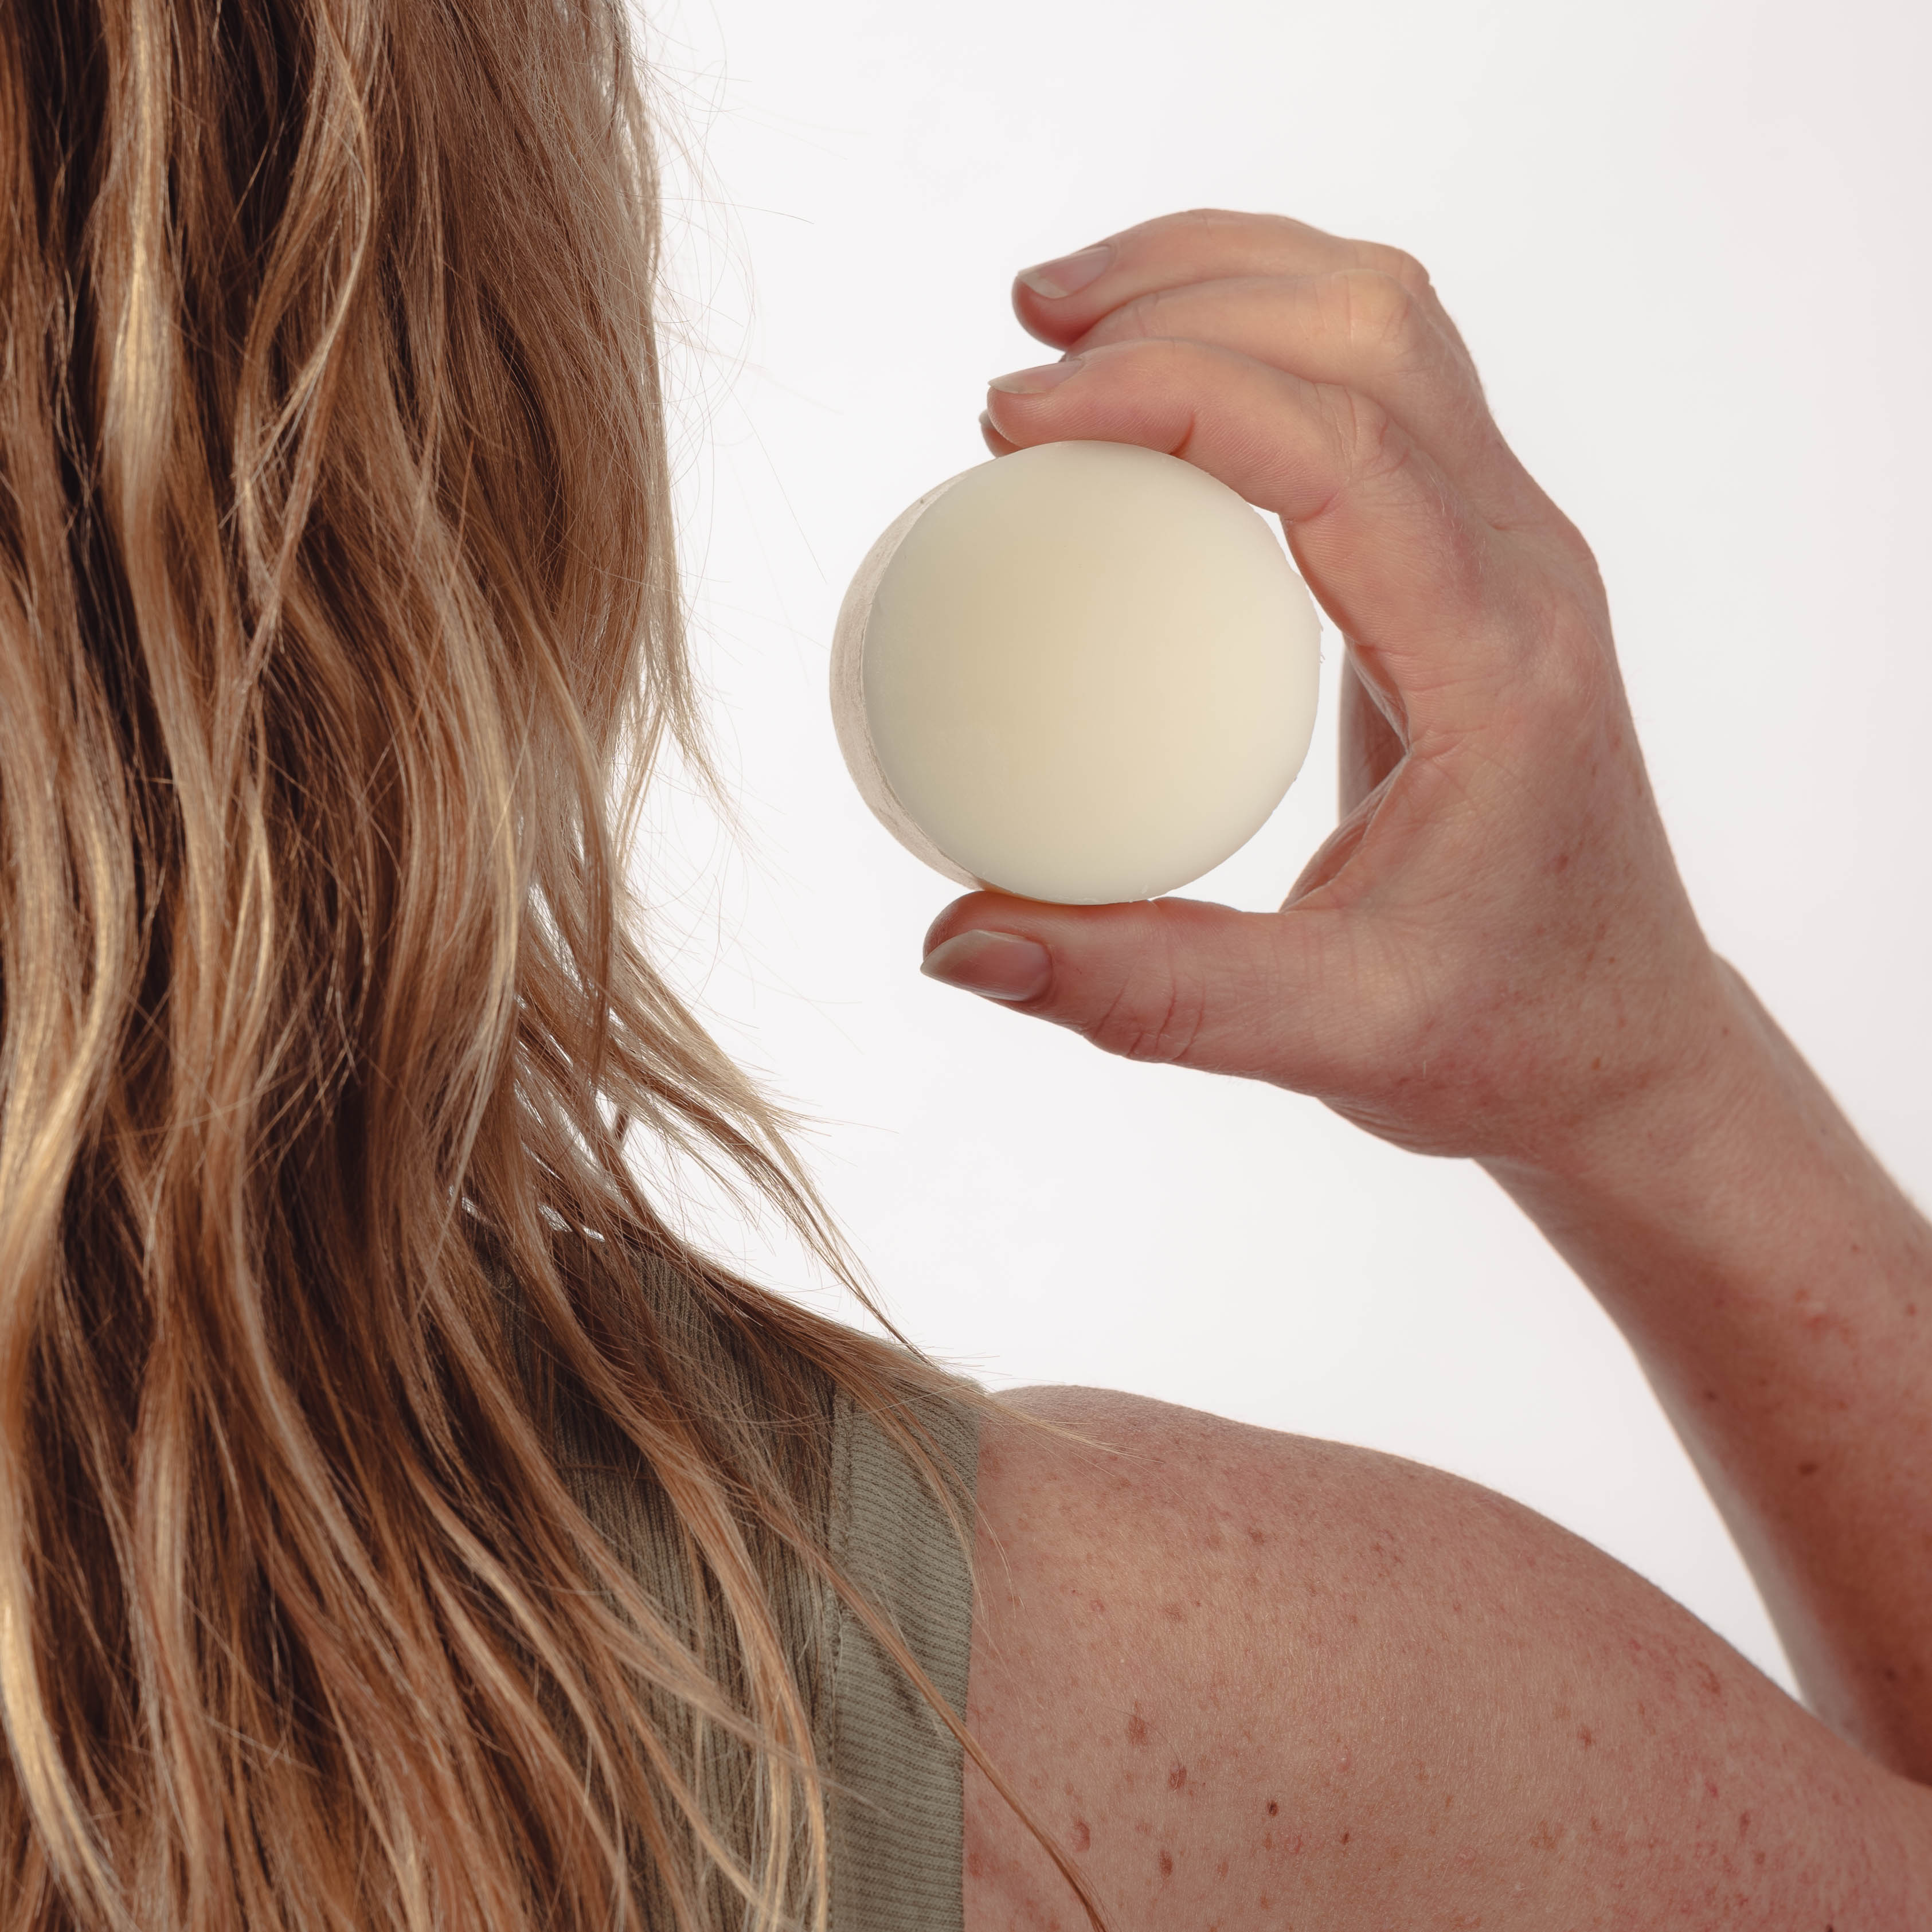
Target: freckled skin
(1564,1747)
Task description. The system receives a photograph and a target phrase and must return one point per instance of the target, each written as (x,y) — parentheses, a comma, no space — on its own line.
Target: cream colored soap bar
(1084,672)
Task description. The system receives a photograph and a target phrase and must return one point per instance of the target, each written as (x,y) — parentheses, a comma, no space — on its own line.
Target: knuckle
(1209,217)
(1374,444)
(1133,321)
(1162,1029)
(1380,313)
(1575,670)
(1399,265)
(1576,547)
(1567,659)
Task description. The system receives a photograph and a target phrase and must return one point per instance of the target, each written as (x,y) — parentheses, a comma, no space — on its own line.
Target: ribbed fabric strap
(897,1848)
(893,1768)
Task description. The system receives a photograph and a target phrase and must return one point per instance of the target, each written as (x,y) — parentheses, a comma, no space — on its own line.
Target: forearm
(1776,1284)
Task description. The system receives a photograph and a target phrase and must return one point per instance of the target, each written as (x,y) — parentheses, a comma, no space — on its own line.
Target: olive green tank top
(892,1770)
(896,1824)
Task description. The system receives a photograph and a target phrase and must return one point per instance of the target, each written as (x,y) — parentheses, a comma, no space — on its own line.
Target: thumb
(1184,982)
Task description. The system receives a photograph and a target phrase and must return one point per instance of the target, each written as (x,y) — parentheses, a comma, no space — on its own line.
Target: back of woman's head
(336,583)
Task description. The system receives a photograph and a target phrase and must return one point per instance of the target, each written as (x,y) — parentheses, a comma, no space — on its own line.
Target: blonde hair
(337,581)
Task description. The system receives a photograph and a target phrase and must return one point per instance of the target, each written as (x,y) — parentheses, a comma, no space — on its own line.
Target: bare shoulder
(1252,1680)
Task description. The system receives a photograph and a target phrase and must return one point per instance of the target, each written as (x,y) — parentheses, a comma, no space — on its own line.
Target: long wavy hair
(337,585)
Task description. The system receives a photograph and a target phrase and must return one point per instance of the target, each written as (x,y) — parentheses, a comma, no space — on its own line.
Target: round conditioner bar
(1084,672)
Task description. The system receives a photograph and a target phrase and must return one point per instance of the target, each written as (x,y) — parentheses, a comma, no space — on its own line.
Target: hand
(1493,955)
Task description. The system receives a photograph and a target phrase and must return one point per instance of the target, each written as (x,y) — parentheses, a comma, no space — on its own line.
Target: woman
(402,1526)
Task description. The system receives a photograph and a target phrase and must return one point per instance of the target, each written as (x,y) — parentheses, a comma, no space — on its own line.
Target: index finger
(1428,594)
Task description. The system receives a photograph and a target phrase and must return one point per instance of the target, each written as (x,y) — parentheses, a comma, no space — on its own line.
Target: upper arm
(1242,1676)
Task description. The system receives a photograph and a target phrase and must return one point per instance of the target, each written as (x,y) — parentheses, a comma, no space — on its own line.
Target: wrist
(1661,1145)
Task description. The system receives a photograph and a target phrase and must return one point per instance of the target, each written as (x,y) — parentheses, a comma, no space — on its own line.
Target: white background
(1686,240)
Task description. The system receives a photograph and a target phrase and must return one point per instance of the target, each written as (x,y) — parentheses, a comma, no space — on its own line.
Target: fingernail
(1030,382)
(1070,274)
(1001,965)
